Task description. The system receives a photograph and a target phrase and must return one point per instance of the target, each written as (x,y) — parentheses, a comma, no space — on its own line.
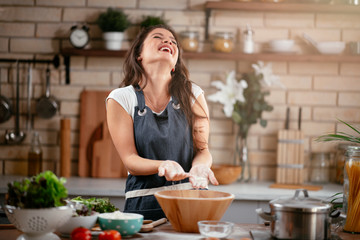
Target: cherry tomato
(81,233)
(110,235)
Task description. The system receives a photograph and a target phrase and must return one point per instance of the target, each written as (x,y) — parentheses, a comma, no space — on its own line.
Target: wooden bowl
(184,208)
(226,174)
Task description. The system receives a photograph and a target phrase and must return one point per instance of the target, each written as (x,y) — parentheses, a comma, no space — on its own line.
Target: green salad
(87,207)
(44,190)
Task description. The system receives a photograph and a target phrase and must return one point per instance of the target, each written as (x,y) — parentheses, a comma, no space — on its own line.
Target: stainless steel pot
(299,217)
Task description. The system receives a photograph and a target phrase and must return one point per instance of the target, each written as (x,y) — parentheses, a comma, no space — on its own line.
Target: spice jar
(320,167)
(189,41)
(248,43)
(351,189)
(35,156)
(223,42)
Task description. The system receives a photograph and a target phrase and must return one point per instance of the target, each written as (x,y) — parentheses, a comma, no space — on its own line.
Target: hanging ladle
(16,136)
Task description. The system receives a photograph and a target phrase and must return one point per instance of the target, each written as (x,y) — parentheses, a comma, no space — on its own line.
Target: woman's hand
(172,171)
(200,175)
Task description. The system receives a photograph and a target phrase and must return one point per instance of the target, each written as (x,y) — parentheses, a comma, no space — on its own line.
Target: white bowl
(39,223)
(78,221)
(334,47)
(215,229)
(281,45)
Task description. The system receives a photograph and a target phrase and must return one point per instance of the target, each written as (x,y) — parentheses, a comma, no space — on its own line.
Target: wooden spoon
(150,226)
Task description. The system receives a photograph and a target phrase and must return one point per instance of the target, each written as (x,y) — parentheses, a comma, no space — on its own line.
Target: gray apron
(163,137)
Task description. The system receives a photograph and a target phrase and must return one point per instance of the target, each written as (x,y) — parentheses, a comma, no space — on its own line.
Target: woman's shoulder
(126,97)
(196,90)
(127,91)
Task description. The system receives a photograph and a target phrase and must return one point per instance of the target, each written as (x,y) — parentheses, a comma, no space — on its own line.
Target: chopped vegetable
(110,235)
(81,233)
(44,190)
(100,205)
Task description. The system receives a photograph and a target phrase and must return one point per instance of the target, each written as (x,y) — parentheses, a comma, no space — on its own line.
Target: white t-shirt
(126,97)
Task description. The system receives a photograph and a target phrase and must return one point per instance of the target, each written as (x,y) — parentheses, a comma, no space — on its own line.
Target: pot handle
(337,216)
(264,215)
(297,192)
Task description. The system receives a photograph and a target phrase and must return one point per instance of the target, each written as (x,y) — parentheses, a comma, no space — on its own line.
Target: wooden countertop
(166,232)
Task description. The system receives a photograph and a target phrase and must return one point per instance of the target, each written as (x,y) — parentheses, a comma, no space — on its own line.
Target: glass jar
(351,202)
(189,41)
(320,167)
(35,156)
(340,162)
(223,42)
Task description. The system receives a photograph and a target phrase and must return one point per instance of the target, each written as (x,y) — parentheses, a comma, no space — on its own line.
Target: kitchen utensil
(65,147)
(40,223)
(150,226)
(29,90)
(328,47)
(92,114)
(184,208)
(226,174)
(105,162)
(298,217)
(16,136)
(290,155)
(126,223)
(6,109)
(281,45)
(215,229)
(47,106)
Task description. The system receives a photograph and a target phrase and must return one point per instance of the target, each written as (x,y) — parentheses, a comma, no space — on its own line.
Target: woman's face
(160,45)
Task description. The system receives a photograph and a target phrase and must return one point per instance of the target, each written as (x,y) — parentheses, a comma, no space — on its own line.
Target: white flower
(268,78)
(230,93)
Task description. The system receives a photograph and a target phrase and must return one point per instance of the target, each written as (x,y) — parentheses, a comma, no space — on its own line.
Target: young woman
(159,123)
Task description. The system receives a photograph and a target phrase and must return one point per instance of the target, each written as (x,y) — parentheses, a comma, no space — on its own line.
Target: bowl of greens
(86,213)
(37,206)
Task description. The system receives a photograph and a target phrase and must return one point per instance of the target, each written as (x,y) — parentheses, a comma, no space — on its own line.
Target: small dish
(215,229)
(281,45)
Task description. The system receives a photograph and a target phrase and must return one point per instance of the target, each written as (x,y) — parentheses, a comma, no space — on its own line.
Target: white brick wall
(325,90)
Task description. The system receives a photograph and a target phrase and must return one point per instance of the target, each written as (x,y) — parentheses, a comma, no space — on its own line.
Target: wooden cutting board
(106,162)
(92,114)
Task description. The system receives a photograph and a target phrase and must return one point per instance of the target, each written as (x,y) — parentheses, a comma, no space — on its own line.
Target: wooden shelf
(283,7)
(68,52)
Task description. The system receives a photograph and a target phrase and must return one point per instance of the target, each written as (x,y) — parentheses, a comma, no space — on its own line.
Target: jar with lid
(223,42)
(351,200)
(340,162)
(189,41)
(248,42)
(320,167)
(35,155)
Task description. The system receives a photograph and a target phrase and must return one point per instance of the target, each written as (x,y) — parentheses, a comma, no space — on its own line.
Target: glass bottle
(340,162)
(248,43)
(35,155)
(351,189)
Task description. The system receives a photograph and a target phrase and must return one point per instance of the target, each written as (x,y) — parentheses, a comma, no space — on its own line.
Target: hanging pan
(47,106)
(6,109)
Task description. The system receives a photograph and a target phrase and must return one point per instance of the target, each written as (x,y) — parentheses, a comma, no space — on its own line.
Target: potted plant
(149,20)
(37,206)
(113,23)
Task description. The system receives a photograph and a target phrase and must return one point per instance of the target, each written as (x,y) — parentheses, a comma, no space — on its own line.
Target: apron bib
(163,137)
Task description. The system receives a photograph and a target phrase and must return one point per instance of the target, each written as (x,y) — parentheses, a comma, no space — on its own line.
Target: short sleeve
(126,97)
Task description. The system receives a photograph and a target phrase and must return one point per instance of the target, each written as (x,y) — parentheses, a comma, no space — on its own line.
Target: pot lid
(300,203)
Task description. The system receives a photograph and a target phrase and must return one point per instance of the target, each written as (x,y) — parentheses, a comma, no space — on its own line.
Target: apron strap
(152,191)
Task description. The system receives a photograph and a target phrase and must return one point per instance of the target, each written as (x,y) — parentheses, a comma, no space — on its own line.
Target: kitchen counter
(248,196)
(165,232)
(111,187)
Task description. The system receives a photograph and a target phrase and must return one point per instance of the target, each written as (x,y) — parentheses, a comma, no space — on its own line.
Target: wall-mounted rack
(55,61)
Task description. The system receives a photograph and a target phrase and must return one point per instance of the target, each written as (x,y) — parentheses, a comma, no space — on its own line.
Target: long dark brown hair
(180,85)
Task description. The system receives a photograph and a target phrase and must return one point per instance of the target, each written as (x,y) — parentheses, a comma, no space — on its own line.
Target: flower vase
(241,158)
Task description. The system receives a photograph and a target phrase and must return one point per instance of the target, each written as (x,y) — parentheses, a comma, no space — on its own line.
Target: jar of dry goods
(189,41)
(351,204)
(223,42)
